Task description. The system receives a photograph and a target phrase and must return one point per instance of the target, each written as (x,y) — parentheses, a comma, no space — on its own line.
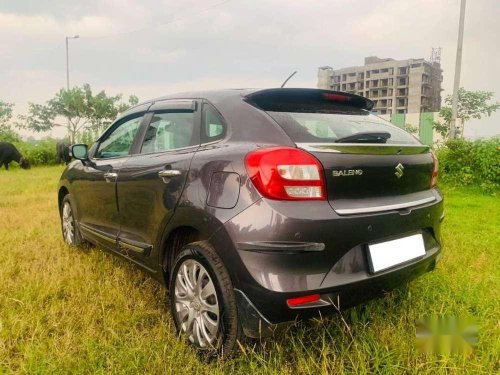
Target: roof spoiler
(295,95)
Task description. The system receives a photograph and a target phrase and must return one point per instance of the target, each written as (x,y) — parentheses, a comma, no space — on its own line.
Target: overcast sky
(154,47)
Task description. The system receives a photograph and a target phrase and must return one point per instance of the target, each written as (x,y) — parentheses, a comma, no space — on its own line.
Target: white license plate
(387,254)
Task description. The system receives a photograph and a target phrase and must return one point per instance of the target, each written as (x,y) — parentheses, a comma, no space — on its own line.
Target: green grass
(68,311)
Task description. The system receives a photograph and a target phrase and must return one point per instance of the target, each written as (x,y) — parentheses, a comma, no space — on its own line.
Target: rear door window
(170,131)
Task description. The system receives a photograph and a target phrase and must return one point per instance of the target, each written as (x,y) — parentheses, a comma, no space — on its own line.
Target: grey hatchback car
(257,207)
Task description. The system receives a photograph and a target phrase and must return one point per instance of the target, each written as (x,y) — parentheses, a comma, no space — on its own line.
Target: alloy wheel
(196,304)
(68,224)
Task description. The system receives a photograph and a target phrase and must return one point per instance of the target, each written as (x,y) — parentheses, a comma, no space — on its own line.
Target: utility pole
(67,59)
(458,67)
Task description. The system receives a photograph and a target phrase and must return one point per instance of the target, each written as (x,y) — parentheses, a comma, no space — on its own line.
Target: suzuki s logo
(347,172)
(399,170)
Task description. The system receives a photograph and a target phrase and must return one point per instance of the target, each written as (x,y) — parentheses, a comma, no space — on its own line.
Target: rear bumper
(279,250)
(258,324)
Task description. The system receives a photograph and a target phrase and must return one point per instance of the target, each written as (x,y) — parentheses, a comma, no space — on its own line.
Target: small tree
(79,108)
(5,111)
(471,104)
(7,134)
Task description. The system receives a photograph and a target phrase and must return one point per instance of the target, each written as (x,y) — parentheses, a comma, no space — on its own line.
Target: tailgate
(370,165)
(371,178)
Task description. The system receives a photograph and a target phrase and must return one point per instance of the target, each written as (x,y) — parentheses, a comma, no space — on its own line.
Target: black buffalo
(8,153)
(62,150)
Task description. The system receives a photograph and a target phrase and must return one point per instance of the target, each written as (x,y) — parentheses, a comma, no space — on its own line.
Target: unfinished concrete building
(395,86)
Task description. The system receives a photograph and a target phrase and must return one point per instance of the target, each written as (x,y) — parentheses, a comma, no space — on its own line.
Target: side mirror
(80,152)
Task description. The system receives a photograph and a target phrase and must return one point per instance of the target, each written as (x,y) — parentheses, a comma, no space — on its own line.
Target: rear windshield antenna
(286,80)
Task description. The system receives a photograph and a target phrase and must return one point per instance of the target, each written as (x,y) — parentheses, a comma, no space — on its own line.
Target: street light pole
(72,140)
(458,68)
(67,59)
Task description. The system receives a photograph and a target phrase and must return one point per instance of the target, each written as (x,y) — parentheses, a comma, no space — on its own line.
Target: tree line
(83,113)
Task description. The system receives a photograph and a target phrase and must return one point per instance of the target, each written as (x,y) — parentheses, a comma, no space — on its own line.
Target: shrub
(463,162)
(39,152)
(7,134)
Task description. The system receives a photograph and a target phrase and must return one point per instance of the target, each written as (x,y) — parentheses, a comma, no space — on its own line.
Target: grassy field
(67,311)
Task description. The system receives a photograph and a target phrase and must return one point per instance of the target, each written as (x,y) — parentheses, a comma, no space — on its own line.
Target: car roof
(210,95)
(215,96)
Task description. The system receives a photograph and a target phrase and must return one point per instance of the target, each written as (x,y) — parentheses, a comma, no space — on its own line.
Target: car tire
(69,225)
(201,294)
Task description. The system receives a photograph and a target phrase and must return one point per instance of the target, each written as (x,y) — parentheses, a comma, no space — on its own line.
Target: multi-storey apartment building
(395,86)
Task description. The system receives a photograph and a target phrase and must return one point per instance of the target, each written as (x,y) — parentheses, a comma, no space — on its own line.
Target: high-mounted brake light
(286,173)
(298,301)
(435,170)
(336,97)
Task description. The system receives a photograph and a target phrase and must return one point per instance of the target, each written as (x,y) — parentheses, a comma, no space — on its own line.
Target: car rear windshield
(321,127)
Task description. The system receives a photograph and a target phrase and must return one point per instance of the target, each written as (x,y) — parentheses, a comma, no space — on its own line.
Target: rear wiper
(368,137)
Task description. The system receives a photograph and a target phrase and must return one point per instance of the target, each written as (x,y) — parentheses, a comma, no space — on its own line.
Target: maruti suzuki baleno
(257,207)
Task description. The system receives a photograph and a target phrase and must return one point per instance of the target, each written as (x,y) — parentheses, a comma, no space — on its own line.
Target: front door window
(119,141)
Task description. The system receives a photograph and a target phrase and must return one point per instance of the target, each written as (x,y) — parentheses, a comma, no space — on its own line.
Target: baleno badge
(347,172)
(399,170)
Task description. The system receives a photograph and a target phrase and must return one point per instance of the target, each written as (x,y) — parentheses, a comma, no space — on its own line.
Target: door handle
(169,173)
(166,174)
(110,176)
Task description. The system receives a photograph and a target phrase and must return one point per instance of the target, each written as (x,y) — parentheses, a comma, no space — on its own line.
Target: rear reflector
(297,301)
(286,173)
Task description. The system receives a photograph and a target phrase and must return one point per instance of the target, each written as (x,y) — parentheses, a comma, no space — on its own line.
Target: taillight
(286,173)
(435,170)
